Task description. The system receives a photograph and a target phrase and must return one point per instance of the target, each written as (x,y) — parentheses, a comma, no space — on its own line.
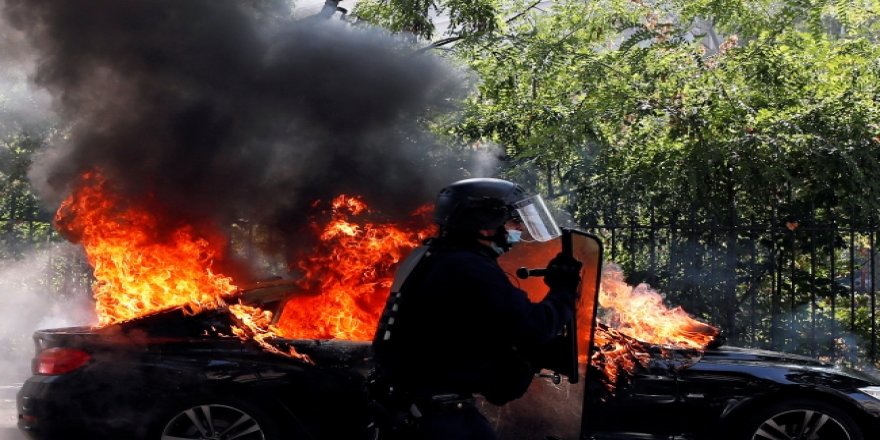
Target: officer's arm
(531,323)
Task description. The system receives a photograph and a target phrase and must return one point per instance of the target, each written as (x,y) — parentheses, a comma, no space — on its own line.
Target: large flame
(639,312)
(141,267)
(138,267)
(636,327)
(347,276)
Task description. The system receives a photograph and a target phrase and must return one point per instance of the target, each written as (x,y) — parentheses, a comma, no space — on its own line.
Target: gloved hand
(563,273)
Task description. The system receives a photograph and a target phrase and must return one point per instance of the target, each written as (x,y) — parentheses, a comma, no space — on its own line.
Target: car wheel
(801,420)
(216,421)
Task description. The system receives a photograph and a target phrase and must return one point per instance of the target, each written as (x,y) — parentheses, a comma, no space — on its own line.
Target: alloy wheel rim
(213,422)
(801,424)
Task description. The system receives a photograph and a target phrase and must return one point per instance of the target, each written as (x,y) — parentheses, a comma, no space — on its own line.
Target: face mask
(514,236)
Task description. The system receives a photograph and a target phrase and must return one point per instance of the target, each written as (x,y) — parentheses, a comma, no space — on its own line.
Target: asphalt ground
(11,434)
(8,414)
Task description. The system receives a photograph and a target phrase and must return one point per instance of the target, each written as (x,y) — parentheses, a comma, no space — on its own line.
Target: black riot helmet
(472,205)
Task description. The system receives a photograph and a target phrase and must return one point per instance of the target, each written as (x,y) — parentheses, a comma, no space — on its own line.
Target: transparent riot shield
(553,405)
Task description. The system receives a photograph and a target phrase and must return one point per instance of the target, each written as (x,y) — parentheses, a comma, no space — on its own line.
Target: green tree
(704,114)
(23,223)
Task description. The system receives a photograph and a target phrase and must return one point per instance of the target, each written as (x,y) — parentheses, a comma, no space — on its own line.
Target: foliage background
(727,150)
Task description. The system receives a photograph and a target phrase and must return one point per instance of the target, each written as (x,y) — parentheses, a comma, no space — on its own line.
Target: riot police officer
(455,326)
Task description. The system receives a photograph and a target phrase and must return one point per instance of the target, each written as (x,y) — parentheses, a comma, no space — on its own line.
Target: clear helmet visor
(537,219)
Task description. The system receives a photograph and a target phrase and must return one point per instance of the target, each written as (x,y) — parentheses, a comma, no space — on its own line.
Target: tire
(217,419)
(800,419)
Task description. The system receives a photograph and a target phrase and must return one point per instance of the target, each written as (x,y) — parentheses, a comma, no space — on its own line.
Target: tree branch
(533,6)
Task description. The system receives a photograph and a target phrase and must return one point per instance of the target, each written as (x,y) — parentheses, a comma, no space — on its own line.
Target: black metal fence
(790,286)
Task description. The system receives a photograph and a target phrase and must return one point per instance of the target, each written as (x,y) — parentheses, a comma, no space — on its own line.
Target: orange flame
(617,354)
(347,276)
(256,325)
(139,270)
(639,312)
(634,318)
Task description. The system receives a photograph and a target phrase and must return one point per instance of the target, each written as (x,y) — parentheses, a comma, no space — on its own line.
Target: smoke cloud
(224,109)
(31,302)
(22,106)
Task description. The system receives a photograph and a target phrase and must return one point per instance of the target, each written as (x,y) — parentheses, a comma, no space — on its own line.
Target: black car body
(740,394)
(177,376)
(141,375)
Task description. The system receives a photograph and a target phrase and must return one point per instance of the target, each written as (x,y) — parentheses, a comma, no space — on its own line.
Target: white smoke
(35,296)
(32,299)
(485,159)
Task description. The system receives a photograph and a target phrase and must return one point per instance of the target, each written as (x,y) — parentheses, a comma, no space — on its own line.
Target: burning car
(659,373)
(180,352)
(172,375)
(207,374)
(732,393)
(175,376)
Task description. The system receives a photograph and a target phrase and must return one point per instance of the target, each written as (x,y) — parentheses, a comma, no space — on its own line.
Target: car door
(645,405)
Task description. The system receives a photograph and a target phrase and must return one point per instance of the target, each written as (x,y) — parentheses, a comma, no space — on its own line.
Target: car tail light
(54,361)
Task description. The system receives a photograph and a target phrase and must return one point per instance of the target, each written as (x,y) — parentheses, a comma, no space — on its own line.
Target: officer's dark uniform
(462,328)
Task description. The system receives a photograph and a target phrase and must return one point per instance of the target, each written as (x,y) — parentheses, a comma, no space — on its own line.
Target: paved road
(11,434)
(8,415)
